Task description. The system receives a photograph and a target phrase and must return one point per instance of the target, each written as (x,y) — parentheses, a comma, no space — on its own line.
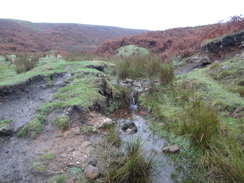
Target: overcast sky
(139,14)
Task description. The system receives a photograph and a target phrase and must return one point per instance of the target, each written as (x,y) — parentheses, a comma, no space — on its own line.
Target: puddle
(152,143)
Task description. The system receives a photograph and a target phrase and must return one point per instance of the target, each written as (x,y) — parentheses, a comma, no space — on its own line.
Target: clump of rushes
(62,122)
(200,122)
(133,167)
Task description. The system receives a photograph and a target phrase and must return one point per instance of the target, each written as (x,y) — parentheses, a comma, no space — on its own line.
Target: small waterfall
(133,106)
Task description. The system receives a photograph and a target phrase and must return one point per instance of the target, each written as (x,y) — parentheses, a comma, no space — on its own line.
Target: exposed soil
(19,103)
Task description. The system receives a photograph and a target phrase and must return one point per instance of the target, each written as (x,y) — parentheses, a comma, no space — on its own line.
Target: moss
(38,166)
(33,128)
(62,122)
(47,156)
(83,91)
(5,122)
(47,108)
(132,50)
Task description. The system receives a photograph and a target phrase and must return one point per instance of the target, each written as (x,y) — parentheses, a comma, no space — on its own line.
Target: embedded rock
(6,130)
(129,128)
(91,172)
(171,149)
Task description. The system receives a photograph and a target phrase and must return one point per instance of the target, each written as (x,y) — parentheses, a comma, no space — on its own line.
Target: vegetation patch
(132,50)
(5,122)
(113,136)
(33,128)
(84,91)
(62,122)
(39,167)
(60,178)
(47,156)
(133,167)
(200,114)
(145,67)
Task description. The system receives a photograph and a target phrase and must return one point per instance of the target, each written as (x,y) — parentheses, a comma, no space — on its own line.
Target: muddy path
(19,104)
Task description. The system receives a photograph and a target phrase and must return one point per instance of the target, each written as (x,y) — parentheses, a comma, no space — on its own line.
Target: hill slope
(172,43)
(24,36)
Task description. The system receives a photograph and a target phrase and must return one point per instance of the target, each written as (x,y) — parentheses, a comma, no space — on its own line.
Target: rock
(171,149)
(103,123)
(76,130)
(127,80)
(6,130)
(137,84)
(129,128)
(64,155)
(92,161)
(203,61)
(242,56)
(91,172)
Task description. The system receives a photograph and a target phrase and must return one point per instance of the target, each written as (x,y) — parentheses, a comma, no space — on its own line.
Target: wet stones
(129,128)
(171,149)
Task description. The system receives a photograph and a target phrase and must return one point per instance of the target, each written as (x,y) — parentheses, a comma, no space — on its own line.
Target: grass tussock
(145,67)
(133,167)
(201,109)
(113,136)
(25,63)
(200,122)
(33,128)
(62,122)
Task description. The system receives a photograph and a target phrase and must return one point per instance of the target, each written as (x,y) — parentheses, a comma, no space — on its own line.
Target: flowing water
(152,144)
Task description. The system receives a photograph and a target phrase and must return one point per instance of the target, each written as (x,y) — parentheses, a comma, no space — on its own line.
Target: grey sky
(139,14)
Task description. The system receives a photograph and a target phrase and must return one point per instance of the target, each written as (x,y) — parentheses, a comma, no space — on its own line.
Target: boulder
(171,149)
(6,130)
(91,172)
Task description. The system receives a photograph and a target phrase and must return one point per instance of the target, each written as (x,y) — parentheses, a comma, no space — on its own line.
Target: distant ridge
(24,36)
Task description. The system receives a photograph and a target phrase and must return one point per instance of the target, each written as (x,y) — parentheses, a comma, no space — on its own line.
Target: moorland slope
(24,36)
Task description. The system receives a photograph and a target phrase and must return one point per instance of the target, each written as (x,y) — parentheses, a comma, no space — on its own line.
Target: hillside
(174,43)
(24,36)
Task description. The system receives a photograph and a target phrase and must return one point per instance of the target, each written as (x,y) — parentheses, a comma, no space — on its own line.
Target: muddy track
(19,102)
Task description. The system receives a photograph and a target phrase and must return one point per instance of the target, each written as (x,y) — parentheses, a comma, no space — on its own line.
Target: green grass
(60,178)
(112,136)
(83,91)
(133,167)
(62,122)
(47,156)
(46,66)
(47,108)
(149,66)
(132,50)
(33,128)
(204,116)
(38,166)
(5,122)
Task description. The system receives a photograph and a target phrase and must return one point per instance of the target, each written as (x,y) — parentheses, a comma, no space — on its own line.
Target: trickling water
(133,106)
(152,144)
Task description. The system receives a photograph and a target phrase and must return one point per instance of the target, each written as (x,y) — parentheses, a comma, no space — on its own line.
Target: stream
(152,143)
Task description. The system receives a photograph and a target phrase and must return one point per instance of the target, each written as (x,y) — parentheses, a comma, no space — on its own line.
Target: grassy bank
(204,108)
